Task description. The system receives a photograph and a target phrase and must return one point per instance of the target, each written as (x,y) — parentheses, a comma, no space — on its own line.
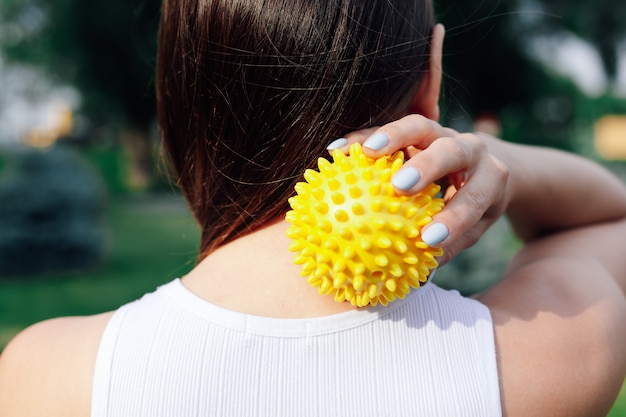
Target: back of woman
(172,353)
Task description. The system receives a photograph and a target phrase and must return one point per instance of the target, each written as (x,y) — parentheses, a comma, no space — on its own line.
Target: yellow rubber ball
(355,237)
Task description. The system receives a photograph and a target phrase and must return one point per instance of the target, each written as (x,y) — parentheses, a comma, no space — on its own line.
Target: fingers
(479,201)
(477,179)
(447,155)
(412,130)
(414,133)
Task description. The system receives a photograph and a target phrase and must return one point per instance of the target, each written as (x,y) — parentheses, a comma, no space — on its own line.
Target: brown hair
(250,93)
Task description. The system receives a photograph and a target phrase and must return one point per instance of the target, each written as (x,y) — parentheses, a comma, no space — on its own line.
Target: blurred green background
(89,220)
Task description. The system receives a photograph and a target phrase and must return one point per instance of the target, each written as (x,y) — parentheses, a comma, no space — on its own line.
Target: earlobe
(426,100)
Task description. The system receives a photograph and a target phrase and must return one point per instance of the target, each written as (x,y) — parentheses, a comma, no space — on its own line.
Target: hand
(473,179)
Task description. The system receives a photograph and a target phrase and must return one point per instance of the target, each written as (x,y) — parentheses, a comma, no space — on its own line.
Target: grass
(619,408)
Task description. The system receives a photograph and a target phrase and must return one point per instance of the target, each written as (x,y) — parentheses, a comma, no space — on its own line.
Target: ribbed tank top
(172,353)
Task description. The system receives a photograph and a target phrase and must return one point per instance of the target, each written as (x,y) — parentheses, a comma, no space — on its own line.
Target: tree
(106,48)
(490,70)
(486,67)
(601,22)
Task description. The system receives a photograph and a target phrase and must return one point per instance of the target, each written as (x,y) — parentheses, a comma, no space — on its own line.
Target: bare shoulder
(559,324)
(47,369)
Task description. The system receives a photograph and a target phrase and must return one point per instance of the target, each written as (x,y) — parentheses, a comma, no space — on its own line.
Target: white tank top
(174,354)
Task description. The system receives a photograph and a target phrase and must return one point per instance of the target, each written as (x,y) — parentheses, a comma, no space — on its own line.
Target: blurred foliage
(485,66)
(482,265)
(109,161)
(488,70)
(106,48)
(601,22)
(51,216)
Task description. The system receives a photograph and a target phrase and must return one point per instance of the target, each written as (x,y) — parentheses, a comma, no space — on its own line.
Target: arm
(550,190)
(559,311)
(560,323)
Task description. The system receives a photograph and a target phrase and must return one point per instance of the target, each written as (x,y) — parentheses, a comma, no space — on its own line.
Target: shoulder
(47,369)
(559,327)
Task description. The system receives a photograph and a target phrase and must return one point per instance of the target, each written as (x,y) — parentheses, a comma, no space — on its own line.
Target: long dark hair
(250,93)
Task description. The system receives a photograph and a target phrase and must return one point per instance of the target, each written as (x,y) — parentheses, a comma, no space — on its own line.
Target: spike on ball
(355,239)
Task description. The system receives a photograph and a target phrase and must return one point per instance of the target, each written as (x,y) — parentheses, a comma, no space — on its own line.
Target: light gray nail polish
(377,141)
(336,144)
(435,234)
(405,178)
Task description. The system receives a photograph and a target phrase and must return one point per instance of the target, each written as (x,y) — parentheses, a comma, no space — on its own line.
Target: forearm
(551,190)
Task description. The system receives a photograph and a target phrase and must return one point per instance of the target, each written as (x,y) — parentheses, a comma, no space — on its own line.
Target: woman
(250,94)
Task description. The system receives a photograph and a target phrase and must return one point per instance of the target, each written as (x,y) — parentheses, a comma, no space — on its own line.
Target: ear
(426,101)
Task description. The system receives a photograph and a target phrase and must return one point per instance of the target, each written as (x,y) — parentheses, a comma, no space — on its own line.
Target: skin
(559,310)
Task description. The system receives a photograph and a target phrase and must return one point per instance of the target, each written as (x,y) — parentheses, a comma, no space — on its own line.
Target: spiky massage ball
(355,237)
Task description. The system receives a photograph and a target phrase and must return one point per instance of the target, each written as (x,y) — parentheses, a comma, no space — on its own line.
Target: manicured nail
(435,234)
(405,178)
(338,143)
(377,141)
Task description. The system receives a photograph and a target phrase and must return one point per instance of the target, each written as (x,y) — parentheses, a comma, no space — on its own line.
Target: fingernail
(377,141)
(435,234)
(405,178)
(338,143)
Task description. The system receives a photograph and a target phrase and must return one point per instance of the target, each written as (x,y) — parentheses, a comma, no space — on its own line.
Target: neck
(255,274)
